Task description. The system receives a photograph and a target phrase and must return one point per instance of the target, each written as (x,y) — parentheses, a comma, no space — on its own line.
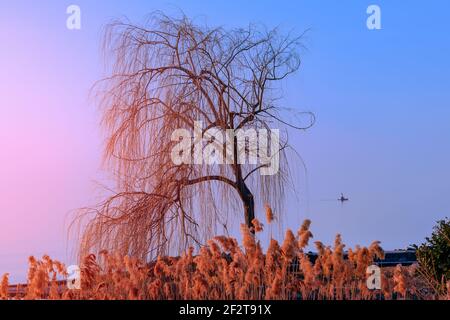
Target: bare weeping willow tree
(164,76)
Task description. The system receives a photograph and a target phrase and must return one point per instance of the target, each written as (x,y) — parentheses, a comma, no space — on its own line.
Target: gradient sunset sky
(381,97)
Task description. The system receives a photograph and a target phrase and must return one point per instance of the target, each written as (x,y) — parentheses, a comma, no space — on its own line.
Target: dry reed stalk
(257,226)
(89,272)
(400,281)
(248,240)
(448,290)
(4,286)
(304,234)
(289,247)
(269,213)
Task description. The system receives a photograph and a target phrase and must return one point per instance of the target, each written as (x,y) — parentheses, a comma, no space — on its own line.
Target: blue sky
(381,98)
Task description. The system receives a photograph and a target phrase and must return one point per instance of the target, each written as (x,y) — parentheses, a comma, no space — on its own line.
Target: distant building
(391,258)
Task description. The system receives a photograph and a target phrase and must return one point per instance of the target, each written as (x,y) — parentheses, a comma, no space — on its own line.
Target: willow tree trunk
(248,202)
(246,195)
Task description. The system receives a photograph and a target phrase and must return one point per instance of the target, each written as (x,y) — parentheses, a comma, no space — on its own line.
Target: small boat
(342,198)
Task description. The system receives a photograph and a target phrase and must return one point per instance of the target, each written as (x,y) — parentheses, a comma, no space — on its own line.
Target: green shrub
(434,256)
